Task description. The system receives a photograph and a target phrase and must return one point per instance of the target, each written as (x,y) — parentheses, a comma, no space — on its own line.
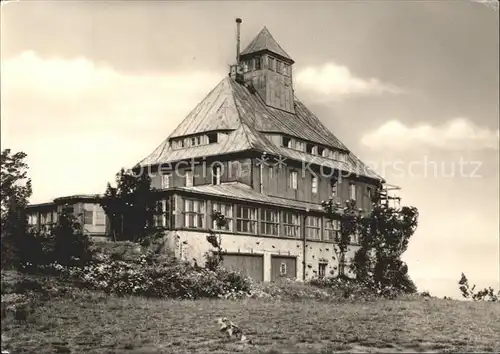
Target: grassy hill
(82,321)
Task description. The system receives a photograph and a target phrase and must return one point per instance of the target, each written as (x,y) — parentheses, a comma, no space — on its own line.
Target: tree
(487,294)
(130,206)
(15,191)
(385,235)
(349,219)
(214,257)
(69,245)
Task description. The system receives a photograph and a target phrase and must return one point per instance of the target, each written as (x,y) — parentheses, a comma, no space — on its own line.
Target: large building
(251,150)
(254,152)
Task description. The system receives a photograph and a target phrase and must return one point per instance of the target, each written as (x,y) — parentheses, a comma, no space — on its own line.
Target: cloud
(456,134)
(80,122)
(332,81)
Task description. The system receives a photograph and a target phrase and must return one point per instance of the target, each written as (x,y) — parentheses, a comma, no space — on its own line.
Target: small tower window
(286,69)
(257,63)
(271,64)
(279,66)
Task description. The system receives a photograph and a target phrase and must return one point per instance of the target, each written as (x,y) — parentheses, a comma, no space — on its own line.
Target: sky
(410,87)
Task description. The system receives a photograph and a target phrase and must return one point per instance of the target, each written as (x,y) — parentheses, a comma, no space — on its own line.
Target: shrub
(487,294)
(161,281)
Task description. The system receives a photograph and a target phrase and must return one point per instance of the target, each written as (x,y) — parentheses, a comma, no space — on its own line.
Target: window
(271,64)
(245,67)
(216,173)
(283,269)
(234,169)
(299,145)
(333,186)
(159,219)
(313,227)
(166,180)
(246,219)
(321,150)
(310,148)
(352,191)
(270,224)
(314,184)
(332,228)
(227,211)
(212,138)
(355,238)
(88,217)
(322,269)
(189,178)
(257,63)
(291,224)
(292,180)
(369,193)
(286,141)
(286,69)
(194,213)
(265,62)
(279,66)
(100,217)
(325,153)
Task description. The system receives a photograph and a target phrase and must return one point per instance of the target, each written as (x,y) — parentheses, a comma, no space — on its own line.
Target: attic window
(326,153)
(310,148)
(287,142)
(321,150)
(212,138)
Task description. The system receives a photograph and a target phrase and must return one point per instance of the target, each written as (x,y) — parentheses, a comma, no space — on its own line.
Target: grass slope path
(96,323)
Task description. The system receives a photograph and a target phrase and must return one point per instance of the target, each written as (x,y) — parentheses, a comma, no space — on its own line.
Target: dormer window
(212,138)
(287,142)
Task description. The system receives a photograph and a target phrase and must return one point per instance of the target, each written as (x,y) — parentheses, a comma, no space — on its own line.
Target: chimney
(238,22)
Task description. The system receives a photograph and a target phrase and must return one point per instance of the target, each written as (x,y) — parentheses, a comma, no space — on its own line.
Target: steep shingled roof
(231,107)
(265,41)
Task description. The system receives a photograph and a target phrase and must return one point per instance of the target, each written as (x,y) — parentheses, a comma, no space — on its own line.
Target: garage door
(250,265)
(283,268)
